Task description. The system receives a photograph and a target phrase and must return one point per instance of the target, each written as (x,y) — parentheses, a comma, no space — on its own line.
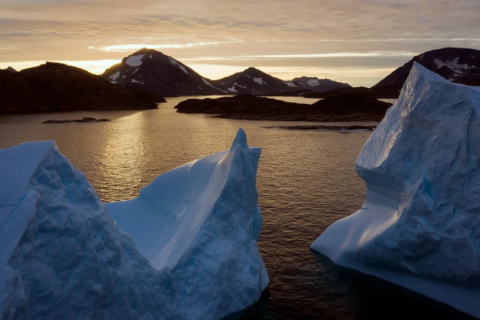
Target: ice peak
(240,140)
(17,165)
(420,70)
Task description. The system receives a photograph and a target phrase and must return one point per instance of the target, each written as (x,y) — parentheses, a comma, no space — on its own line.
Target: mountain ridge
(459,65)
(156,72)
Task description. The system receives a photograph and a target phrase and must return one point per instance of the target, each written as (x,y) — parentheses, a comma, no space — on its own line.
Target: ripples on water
(306,181)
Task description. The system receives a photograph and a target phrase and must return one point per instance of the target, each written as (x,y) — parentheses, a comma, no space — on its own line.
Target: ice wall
(63,256)
(420,224)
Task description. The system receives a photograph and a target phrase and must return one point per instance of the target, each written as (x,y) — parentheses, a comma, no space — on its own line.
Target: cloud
(130,47)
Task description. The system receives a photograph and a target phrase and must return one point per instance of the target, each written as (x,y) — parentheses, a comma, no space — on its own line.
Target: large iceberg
(63,256)
(420,224)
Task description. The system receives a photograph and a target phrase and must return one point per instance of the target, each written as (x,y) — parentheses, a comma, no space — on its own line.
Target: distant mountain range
(455,64)
(58,87)
(315,84)
(143,78)
(158,73)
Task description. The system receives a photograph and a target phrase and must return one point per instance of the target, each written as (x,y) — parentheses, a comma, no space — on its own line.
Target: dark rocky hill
(58,87)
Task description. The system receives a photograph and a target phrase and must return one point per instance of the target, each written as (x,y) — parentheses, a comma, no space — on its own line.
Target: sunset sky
(354,41)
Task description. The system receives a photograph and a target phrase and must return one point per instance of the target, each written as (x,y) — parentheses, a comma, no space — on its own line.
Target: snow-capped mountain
(252,81)
(155,72)
(316,84)
(455,64)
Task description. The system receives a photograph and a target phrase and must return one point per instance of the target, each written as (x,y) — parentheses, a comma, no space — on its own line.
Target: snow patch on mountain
(259,81)
(210,85)
(176,63)
(232,89)
(458,68)
(291,84)
(114,76)
(237,85)
(135,61)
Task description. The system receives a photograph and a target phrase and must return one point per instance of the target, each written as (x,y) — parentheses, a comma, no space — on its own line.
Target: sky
(354,41)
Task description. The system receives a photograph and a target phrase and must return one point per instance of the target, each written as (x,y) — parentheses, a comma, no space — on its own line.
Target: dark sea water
(306,181)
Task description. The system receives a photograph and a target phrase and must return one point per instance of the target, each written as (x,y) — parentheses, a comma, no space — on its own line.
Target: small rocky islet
(83,120)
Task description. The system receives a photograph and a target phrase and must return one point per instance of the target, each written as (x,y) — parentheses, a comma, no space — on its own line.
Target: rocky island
(83,120)
(346,107)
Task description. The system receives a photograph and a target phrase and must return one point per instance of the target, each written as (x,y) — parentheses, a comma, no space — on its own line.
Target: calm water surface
(306,181)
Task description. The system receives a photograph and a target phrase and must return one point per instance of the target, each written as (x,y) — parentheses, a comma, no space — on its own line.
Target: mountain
(455,64)
(10,69)
(59,87)
(316,84)
(252,81)
(155,72)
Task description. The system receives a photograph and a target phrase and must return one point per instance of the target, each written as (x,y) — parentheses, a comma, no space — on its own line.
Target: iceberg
(420,224)
(62,255)
(201,223)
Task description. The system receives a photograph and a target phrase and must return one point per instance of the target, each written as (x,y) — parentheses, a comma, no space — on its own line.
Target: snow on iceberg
(420,224)
(63,256)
